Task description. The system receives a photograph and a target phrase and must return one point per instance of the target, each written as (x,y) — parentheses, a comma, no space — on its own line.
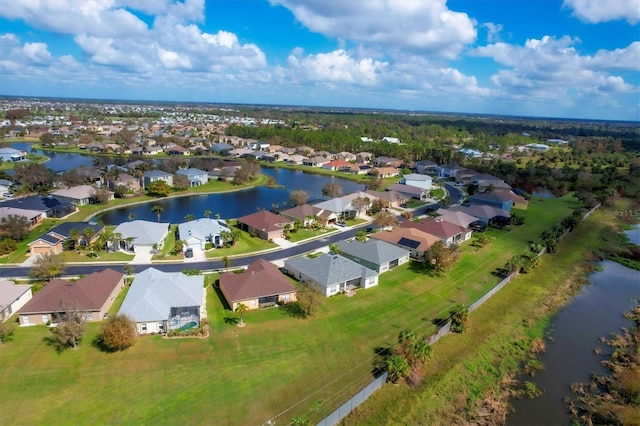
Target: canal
(573,341)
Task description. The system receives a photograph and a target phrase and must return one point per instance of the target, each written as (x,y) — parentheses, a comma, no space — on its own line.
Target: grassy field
(304,234)
(275,367)
(467,368)
(246,244)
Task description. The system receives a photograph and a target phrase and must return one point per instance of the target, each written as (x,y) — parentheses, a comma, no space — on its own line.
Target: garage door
(40,249)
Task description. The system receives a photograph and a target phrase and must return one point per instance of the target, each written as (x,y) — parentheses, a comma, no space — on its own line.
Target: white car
(7,195)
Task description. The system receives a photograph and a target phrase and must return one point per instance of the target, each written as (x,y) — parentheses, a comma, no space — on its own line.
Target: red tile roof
(438,227)
(262,278)
(265,220)
(87,294)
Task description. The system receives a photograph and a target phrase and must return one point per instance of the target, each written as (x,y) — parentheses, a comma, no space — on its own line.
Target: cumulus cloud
(493,31)
(553,69)
(335,67)
(426,27)
(595,11)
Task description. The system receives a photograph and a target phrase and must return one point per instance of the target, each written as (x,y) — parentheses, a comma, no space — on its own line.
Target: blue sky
(565,58)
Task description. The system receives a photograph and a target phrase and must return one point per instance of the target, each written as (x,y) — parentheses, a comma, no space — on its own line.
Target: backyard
(295,366)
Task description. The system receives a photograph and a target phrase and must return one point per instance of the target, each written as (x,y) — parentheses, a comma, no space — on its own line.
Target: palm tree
(227,262)
(132,216)
(189,218)
(88,234)
(75,235)
(207,213)
(241,308)
(157,209)
(334,249)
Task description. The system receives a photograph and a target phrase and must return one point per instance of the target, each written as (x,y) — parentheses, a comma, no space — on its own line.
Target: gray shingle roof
(329,269)
(143,232)
(153,293)
(202,228)
(375,251)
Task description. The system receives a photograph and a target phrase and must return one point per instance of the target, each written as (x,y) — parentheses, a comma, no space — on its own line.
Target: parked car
(342,224)
(7,195)
(188,253)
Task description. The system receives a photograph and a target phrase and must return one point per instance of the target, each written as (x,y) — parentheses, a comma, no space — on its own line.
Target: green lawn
(33,158)
(83,256)
(248,375)
(245,245)
(303,234)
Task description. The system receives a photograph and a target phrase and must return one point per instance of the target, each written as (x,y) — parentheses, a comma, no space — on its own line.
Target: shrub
(208,246)
(117,333)
(7,245)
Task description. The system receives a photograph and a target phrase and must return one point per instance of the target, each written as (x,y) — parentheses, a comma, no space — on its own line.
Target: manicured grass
(246,244)
(33,158)
(247,375)
(83,256)
(303,234)
(465,368)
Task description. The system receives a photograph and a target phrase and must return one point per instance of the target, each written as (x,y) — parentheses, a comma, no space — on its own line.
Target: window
(45,319)
(88,316)
(286,297)
(143,327)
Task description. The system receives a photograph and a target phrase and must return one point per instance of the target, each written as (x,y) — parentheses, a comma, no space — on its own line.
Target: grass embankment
(276,364)
(467,370)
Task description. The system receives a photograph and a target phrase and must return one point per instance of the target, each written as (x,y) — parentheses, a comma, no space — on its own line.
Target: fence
(355,400)
(361,396)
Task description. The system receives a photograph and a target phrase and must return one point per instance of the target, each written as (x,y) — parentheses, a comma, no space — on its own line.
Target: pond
(575,331)
(58,161)
(233,204)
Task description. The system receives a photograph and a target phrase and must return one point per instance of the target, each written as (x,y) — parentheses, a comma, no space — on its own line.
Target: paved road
(72,270)
(19,271)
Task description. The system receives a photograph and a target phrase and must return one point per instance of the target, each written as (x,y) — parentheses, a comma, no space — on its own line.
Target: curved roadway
(20,271)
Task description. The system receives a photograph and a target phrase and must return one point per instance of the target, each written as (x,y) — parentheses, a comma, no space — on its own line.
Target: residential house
(142,236)
(177,150)
(412,239)
(347,156)
(364,157)
(125,180)
(294,158)
(12,298)
(448,170)
(48,205)
(264,224)
(197,233)
(519,202)
(158,302)
(239,152)
(316,161)
(419,181)
(337,165)
(426,167)
(343,207)
(384,172)
(472,153)
(8,155)
(308,214)
(484,213)
(389,139)
(196,177)
(492,199)
(78,195)
(152,150)
(465,176)
(448,232)
(156,175)
(221,148)
(53,240)
(227,173)
(390,198)
(33,216)
(387,162)
(331,274)
(457,217)
(91,296)
(260,286)
(409,191)
(377,255)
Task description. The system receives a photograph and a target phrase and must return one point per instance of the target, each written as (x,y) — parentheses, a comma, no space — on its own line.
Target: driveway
(284,243)
(198,256)
(142,258)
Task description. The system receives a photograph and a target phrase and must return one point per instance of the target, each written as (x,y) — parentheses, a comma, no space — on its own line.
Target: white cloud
(551,70)
(595,11)
(493,31)
(335,67)
(420,26)
(94,17)
(36,53)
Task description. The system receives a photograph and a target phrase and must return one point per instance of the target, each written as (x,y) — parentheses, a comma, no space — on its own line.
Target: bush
(117,333)
(7,245)
(208,246)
